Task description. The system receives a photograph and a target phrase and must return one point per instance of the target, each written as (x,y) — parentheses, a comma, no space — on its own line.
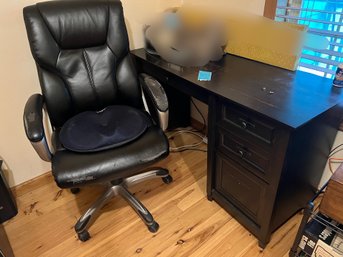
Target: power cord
(192,131)
(334,150)
(186,147)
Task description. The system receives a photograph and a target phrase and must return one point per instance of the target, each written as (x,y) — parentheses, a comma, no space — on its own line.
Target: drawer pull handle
(245,124)
(241,153)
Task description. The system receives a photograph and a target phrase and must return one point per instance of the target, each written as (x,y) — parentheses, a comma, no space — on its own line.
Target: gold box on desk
(257,38)
(266,41)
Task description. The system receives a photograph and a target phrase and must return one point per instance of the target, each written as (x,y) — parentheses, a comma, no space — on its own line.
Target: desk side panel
(307,155)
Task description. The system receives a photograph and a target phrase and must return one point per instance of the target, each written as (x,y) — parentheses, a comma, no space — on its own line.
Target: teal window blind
(324,48)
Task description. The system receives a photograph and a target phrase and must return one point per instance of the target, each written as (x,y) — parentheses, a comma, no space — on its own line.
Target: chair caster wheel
(75,190)
(83,236)
(167,180)
(153,228)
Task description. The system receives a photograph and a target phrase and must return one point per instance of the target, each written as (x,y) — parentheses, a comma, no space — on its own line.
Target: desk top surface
(297,97)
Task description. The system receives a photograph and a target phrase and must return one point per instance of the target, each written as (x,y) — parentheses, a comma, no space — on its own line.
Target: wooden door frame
(270,9)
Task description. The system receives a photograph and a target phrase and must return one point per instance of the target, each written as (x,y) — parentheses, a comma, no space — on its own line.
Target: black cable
(202,116)
(335,148)
(332,152)
(320,191)
(337,151)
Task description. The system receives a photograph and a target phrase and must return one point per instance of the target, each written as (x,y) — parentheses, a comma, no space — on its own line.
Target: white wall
(18,82)
(19,77)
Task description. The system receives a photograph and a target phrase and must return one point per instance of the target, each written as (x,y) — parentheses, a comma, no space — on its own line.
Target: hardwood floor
(190,225)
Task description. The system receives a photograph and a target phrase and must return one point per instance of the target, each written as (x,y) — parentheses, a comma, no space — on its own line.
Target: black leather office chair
(81,50)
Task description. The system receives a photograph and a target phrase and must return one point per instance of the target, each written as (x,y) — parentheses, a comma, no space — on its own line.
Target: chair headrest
(75,25)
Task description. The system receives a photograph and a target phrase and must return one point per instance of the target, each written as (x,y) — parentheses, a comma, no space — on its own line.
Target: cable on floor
(190,130)
(186,147)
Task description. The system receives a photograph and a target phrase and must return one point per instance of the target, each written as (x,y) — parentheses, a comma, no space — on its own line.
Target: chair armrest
(157,97)
(33,124)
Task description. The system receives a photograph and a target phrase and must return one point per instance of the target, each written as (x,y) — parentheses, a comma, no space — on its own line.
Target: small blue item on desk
(204,75)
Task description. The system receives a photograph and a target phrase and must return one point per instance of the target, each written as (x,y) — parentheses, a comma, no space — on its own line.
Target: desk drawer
(247,122)
(245,192)
(251,156)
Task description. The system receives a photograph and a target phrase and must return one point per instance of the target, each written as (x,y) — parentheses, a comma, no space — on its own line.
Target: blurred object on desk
(184,43)
(255,37)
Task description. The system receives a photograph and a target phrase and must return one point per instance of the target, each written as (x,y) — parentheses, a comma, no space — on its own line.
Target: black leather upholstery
(72,169)
(82,54)
(33,118)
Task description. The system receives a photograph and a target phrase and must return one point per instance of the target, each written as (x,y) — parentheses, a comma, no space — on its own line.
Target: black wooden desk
(270,133)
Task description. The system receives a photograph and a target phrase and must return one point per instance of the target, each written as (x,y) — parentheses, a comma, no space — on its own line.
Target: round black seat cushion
(112,127)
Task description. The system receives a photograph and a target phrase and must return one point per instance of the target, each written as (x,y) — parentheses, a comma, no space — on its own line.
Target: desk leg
(212,119)
(263,243)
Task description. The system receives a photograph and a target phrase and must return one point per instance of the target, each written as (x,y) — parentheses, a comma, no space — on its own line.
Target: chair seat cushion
(73,169)
(112,127)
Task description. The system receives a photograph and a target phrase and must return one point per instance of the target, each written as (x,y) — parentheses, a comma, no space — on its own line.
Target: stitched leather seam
(108,46)
(90,75)
(53,70)
(108,27)
(46,23)
(108,20)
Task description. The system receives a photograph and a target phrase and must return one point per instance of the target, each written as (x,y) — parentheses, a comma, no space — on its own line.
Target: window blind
(324,19)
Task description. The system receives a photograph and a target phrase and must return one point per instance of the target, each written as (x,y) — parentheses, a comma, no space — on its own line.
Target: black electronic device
(8,208)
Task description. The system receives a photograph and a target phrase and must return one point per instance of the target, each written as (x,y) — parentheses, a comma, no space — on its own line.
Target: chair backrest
(81,49)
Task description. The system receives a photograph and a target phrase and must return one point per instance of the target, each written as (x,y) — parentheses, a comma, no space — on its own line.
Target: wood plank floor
(190,225)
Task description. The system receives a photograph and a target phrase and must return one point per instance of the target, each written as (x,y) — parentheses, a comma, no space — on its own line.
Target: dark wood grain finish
(251,156)
(285,122)
(298,96)
(275,155)
(240,187)
(248,124)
